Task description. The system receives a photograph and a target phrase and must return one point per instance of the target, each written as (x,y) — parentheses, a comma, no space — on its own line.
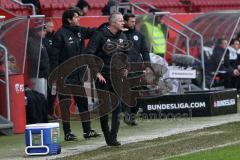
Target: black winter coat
(139,52)
(69,42)
(216,58)
(105,39)
(36,69)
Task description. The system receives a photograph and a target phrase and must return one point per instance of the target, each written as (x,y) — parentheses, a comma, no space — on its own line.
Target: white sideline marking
(201,150)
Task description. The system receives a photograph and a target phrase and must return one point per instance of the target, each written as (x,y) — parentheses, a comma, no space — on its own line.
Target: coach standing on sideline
(105,37)
(69,42)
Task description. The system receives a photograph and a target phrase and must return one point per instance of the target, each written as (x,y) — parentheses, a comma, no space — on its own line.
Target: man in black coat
(38,59)
(48,43)
(48,39)
(67,43)
(138,53)
(106,44)
(220,57)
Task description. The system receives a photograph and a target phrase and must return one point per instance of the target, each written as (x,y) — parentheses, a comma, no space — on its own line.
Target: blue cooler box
(42,139)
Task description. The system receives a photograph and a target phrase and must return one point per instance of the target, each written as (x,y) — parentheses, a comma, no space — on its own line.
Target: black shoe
(126,119)
(70,137)
(91,133)
(114,143)
(133,123)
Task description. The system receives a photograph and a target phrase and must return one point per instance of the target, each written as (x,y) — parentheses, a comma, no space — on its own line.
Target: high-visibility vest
(157,38)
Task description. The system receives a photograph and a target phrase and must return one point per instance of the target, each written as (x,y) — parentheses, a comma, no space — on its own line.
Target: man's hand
(101,78)
(125,72)
(238,67)
(236,72)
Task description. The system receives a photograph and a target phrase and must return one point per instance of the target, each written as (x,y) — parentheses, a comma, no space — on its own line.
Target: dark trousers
(232,82)
(131,111)
(109,134)
(82,104)
(51,99)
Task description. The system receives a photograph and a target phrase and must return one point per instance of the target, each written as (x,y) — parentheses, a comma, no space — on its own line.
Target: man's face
(118,24)
(131,23)
(224,44)
(235,45)
(85,10)
(42,33)
(75,20)
(49,26)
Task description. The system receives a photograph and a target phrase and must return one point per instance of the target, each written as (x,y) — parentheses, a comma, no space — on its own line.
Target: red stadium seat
(56,7)
(15,8)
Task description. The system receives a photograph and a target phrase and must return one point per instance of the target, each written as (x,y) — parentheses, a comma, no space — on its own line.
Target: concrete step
(6,126)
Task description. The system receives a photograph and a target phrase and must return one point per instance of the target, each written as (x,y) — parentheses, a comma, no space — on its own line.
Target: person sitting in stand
(83,7)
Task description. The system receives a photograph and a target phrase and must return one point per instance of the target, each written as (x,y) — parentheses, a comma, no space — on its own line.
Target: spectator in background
(109,8)
(126,8)
(234,63)
(138,53)
(238,36)
(48,40)
(36,3)
(221,56)
(38,75)
(216,58)
(83,6)
(208,51)
(67,43)
(12,66)
(48,43)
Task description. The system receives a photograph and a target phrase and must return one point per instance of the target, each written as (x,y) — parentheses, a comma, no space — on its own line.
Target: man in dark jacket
(48,43)
(48,39)
(105,44)
(220,57)
(69,42)
(138,53)
(38,70)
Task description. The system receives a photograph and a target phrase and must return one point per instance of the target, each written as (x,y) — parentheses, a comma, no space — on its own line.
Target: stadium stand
(15,8)
(55,8)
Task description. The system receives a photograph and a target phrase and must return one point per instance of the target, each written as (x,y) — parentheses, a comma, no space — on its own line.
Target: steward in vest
(155,34)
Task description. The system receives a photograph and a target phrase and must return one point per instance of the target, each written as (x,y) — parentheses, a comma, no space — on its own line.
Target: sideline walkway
(155,128)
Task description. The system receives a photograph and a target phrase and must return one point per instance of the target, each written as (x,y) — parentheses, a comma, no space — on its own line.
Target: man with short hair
(138,53)
(104,44)
(38,76)
(47,40)
(48,43)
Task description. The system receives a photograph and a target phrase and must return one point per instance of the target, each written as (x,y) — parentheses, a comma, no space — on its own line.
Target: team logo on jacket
(120,40)
(50,42)
(70,39)
(135,37)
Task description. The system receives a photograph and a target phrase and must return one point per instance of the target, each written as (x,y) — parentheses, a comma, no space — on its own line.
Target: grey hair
(113,17)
